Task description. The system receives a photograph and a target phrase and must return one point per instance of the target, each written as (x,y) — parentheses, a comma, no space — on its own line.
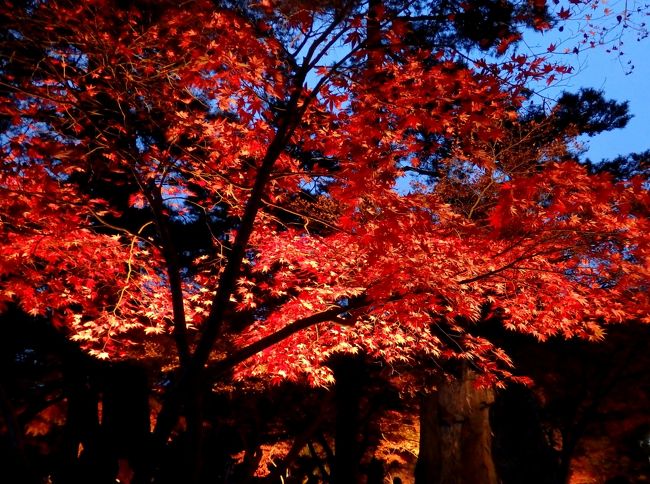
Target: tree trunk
(125,420)
(81,458)
(455,435)
(516,418)
(348,371)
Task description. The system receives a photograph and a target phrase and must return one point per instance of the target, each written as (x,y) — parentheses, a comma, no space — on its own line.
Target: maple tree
(223,190)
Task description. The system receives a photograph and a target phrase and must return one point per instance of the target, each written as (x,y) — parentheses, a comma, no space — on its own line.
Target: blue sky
(608,72)
(604,71)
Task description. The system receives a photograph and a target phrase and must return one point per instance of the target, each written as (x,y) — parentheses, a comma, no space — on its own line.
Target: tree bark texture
(455,435)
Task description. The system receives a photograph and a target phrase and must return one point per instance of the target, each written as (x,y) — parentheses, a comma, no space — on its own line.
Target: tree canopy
(251,189)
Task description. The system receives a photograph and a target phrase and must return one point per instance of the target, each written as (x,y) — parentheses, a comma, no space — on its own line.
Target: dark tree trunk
(348,371)
(455,435)
(125,421)
(516,419)
(194,450)
(81,458)
(94,448)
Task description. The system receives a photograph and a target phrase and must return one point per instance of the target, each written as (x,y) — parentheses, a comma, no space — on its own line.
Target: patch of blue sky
(618,64)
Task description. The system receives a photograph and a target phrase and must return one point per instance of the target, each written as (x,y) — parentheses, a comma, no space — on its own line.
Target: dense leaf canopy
(308,179)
